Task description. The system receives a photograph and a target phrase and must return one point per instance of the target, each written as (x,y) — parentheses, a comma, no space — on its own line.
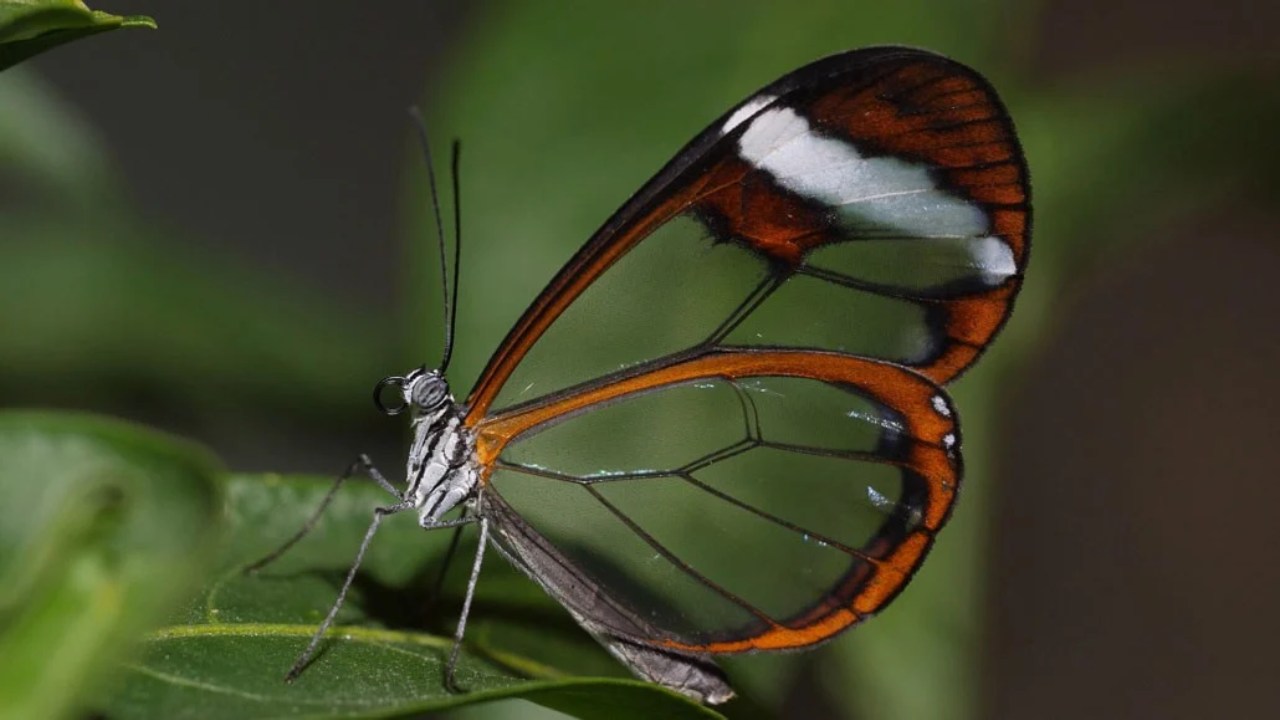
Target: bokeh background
(219,229)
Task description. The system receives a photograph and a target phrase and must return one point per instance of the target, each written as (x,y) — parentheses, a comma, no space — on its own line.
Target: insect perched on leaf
(721,428)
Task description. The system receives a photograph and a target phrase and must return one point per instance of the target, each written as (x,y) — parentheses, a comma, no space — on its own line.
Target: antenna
(450,294)
(457,251)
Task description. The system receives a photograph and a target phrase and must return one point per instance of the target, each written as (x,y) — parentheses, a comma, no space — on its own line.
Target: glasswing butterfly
(749,447)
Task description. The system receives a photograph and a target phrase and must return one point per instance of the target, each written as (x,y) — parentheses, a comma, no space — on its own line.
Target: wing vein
(804,532)
(675,560)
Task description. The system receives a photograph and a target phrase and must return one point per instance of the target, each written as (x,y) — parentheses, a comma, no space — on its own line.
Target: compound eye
(397,382)
(428,395)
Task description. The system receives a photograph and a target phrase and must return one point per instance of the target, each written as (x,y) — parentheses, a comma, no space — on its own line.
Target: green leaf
(29,27)
(211,671)
(103,526)
(226,655)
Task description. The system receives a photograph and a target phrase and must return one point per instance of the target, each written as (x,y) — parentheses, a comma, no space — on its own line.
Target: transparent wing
(730,501)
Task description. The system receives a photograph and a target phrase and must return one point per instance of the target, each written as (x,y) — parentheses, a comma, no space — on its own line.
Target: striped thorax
(442,471)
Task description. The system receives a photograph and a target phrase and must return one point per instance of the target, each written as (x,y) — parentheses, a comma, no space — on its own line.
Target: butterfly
(721,428)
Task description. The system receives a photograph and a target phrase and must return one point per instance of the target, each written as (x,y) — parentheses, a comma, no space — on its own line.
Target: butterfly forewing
(887,182)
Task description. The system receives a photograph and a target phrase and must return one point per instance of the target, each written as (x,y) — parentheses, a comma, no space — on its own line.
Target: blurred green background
(218,228)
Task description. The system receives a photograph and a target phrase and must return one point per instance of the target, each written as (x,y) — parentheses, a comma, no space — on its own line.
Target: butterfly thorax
(441,471)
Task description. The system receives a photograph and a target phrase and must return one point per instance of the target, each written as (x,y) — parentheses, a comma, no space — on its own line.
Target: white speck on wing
(810,539)
(940,406)
(874,420)
(617,473)
(879,500)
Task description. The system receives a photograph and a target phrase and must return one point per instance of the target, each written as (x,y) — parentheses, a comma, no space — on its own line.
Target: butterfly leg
(378,514)
(307,654)
(361,464)
(444,567)
(450,679)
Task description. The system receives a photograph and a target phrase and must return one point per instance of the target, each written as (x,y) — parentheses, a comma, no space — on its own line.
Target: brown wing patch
(751,210)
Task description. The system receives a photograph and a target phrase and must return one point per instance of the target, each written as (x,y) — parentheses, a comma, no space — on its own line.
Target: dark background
(1131,534)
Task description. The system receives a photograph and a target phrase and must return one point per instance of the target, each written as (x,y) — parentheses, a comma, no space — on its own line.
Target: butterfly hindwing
(736,500)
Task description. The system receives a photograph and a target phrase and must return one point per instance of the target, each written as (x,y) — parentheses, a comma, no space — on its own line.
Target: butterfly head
(422,392)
